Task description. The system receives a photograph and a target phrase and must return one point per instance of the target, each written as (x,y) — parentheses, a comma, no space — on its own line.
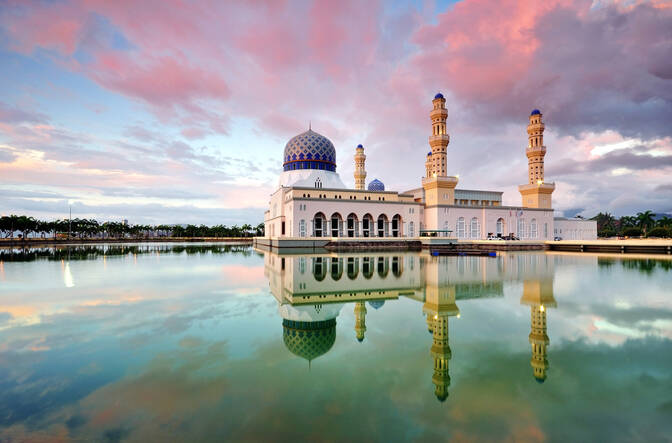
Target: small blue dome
(535,112)
(376,304)
(438,95)
(429,153)
(360,146)
(376,185)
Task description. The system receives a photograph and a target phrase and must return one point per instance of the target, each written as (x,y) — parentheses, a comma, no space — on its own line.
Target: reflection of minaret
(439,306)
(538,294)
(360,320)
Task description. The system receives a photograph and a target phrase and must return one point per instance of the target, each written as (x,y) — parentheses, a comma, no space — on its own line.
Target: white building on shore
(312,200)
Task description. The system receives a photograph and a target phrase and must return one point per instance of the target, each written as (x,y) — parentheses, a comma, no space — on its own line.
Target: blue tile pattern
(376,185)
(309,150)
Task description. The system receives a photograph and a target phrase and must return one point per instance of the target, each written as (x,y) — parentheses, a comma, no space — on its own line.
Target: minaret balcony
(439,140)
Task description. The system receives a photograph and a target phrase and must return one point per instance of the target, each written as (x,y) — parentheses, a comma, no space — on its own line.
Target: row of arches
(369,266)
(352,226)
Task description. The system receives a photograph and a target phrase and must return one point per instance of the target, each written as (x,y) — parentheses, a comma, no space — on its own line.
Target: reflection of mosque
(312,290)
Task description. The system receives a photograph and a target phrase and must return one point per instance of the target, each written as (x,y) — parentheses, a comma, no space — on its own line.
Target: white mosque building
(312,201)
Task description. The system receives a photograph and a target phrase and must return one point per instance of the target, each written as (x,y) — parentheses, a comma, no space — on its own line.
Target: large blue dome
(535,112)
(309,150)
(376,185)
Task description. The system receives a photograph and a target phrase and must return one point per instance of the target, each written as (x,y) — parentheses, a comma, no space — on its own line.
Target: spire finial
(310,125)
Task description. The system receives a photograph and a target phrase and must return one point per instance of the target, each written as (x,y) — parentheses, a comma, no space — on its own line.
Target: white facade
(574,229)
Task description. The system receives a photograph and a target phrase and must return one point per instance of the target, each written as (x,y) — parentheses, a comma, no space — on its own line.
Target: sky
(178,112)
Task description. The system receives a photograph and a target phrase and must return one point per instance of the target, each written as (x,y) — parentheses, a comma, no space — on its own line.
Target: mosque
(312,201)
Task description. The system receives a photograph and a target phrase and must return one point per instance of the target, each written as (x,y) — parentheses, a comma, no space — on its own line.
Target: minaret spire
(536,193)
(439,139)
(360,171)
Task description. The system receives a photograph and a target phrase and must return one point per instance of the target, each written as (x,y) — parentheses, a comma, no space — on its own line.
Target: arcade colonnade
(337,224)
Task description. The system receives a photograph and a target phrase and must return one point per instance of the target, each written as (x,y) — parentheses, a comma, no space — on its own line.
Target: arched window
(461,228)
(500,227)
(367,225)
(302,228)
(545,230)
(446,227)
(367,267)
(521,228)
(318,183)
(396,226)
(351,226)
(382,226)
(533,228)
(411,229)
(475,228)
(336,225)
(319,225)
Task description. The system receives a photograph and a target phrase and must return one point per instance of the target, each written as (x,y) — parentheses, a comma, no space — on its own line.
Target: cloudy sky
(178,112)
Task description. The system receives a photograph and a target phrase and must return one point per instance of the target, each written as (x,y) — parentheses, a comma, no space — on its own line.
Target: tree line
(642,224)
(90,228)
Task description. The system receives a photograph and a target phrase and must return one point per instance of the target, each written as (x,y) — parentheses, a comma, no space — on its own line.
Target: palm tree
(664,221)
(645,220)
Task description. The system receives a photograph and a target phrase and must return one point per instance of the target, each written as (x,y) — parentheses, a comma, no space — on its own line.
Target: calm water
(191,343)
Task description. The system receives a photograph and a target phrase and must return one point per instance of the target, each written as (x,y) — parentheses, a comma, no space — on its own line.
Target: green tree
(645,220)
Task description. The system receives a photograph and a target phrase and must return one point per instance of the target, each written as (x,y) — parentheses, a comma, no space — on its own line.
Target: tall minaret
(537,193)
(438,186)
(535,148)
(360,320)
(360,171)
(439,139)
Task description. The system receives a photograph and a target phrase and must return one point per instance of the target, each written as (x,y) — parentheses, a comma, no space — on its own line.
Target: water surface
(157,342)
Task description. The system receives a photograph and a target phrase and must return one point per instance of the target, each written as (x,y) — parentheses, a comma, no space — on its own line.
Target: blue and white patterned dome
(309,150)
(535,112)
(376,185)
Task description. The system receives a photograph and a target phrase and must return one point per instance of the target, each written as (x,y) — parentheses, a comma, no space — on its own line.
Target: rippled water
(209,342)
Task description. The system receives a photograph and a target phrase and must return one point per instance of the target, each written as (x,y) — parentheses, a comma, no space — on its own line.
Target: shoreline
(33,242)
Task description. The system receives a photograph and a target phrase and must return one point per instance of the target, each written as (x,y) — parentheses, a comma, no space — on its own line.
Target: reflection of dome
(540,379)
(535,112)
(438,95)
(309,150)
(376,304)
(441,396)
(376,185)
(309,340)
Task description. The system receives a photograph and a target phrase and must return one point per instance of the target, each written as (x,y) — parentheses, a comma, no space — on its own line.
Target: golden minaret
(537,193)
(439,187)
(360,171)
(360,320)
(439,139)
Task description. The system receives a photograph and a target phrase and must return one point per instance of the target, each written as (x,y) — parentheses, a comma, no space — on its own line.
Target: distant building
(312,201)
